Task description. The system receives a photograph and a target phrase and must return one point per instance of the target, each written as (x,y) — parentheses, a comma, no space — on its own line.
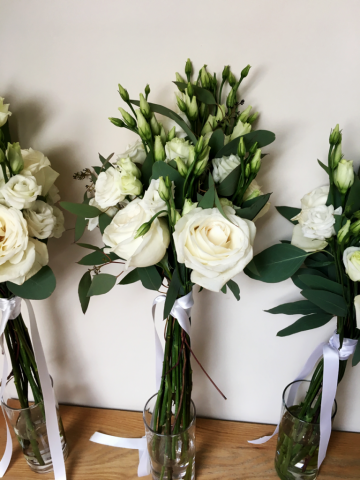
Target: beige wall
(60,63)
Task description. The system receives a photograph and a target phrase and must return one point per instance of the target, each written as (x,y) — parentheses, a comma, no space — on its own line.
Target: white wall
(60,63)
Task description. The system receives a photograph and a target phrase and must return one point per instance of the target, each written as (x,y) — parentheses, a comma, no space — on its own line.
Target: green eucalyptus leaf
(83,289)
(289,213)
(104,221)
(88,246)
(81,209)
(106,161)
(305,271)
(162,169)
(172,293)
(208,200)
(201,94)
(223,290)
(228,186)
(150,277)
(80,226)
(131,277)
(329,302)
(308,322)
(146,170)
(101,284)
(257,204)
(234,287)
(353,200)
(319,283)
(263,137)
(302,307)
(356,356)
(216,142)
(38,287)
(97,258)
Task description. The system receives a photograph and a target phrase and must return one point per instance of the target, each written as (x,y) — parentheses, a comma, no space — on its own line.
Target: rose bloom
(108,188)
(215,249)
(351,260)
(20,191)
(223,166)
(39,166)
(178,147)
(40,219)
(142,251)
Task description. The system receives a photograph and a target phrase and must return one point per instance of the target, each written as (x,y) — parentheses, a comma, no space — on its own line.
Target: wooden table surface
(222,451)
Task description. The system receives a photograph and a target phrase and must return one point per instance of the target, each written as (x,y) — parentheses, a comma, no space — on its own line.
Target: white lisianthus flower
(108,188)
(4,111)
(152,200)
(142,251)
(136,152)
(59,227)
(240,129)
(315,198)
(307,244)
(20,191)
(253,191)
(39,166)
(318,222)
(223,166)
(351,260)
(129,167)
(179,147)
(214,248)
(40,219)
(130,185)
(53,195)
(110,211)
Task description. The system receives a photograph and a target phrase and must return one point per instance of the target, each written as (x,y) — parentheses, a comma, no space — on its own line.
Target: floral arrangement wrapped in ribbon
(28,218)
(323,260)
(178,207)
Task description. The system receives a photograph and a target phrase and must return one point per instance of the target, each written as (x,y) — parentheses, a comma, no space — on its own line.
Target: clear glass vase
(298,441)
(172,457)
(29,425)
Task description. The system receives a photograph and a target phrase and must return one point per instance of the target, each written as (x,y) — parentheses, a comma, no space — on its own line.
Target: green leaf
(329,302)
(277,263)
(322,165)
(150,277)
(80,225)
(131,277)
(104,221)
(234,287)
(289,213)
(83,289)
(216,142)
(302,307)
(258,204)
(90,247)
(38,287)
(101,284)
(146,170)
(201,94)
(219,206)
(320,283)
(311,263)
(106,161)
(356,357)
(97,169)
(81,209)
(162,169)
(308,322)
(228,186)
(263,137)
(97,258)
(172,293)
(305,271)
(353,200)
(170,114)
(338,223)
(224,289)
(208,199)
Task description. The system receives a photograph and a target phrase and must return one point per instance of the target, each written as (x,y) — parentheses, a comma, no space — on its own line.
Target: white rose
(53,195)
(40,219)
(240,129)
(108,188)
(110,211)
(136,152)
(4,112)
(307,244)
(223,166)
(152,200)
(142,251)
(39,166)
(59,227)
(179,147)
(20,191)
(318,222)
(315,198)
(214,248)
(351,260)
(13,234)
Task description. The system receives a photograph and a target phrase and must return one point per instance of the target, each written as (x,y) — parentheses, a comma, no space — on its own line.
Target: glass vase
(298,441)
(29,425)
(172,456)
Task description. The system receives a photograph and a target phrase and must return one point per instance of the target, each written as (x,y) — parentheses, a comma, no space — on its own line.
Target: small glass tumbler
(29,425)
(172,457)
(298,441)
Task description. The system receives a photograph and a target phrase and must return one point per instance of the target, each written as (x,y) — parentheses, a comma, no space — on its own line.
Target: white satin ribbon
(331,353)
(181,310)
(11,309)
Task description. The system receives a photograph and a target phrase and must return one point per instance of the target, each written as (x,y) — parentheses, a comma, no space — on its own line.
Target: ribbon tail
(52,424)
(144,461)
(265,439)
(159,353)
(5,461)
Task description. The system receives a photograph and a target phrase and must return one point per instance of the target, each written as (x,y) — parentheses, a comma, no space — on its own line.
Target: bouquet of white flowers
(178,207)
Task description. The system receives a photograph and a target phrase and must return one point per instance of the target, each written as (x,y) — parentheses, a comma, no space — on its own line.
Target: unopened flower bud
(231,98)
(168,183)
(355,228)
(225,72)
(159,151)
(225,202)
(255,162)
(154,125)
(2,156)
(241,148)
(245,114)
(335,136)
(188,68)
(190,90)
(204,155)
(253,117)
(220,114)
(147,90)
(245,71)
(204,76)
(203,110)
(193,110)
(175,216)
(162,135)
(117,122)
(171,134)
(163,190)
(129,167)
(143,229)
(15,158)
(188,206)
(182,168)
(143,126)
(343,232)
(336,156)
(129,120)
(247,171)
(123,93)
(232,79)
(145,107)
(181,104)
(199,145)
(180,79)
(253,148)
(207,128)
(344,175)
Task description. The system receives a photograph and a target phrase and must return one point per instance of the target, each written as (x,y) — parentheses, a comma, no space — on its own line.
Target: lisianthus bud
(175,216)
(255,163)
(2,156)
(204,155)
(203,110)
(355,228)
(245,71)
(163,190)
(188,206)
(220,114)
(232,79)
(245,114)
(143,229)
(247,170)
(225,202)
(159,151)
(117,122)
(147,90)
(241,148)
(168,184)
(231,98)
(143,126)
(357,214)
(145,107)
(343,232)
(123,93)
(179,78)
(336,156)
(344,175)
(204,76)
(171,134)
(199,145)
(129,120)
(193,111)
(182,168)
(207,128)
(129,167)
(188,68)
(154,125)
(225,72)
(181,104)
(14,157)
(190,90)
(162,135)
(253,117)
(335,136)
(253,148)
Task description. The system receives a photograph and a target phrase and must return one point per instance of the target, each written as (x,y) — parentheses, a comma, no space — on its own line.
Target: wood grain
(222,450)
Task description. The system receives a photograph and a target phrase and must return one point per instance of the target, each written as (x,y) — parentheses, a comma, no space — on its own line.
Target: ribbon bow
(10,310)
(181,310)
(331,353)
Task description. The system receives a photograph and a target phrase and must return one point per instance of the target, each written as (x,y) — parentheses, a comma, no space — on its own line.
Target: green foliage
(146,170)
(38,287)
(216,142)
(255,206)
(80,225)
(208,199)
(356,356)
(322,165)
(101,284)
(228,186)
(88,246)
(305,271)
(327,301)
(202,95)
(131,277)
(234,287)
(81,209)
(150,277)
(289,213)
(104,221)
(83,289)
(308,322)
(172,293)
(302,307)
(319,283)
(353,200)
(263,137)
(106,161)
(97,258)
